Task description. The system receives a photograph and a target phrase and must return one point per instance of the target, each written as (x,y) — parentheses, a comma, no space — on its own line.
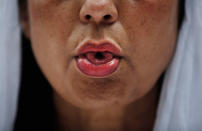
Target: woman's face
(144,31)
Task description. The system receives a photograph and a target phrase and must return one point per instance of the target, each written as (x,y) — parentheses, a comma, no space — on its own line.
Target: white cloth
(180,107)
(9,62)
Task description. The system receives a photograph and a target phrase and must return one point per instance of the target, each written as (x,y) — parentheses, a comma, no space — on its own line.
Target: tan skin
(146,32)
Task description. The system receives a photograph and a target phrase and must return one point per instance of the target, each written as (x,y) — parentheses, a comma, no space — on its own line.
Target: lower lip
(102,70)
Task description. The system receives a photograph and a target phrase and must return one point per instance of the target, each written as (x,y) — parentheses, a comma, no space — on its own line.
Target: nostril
(107,17)
(88,17)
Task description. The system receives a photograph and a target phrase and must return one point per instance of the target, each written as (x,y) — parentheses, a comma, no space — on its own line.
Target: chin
(90,93)
(98,92)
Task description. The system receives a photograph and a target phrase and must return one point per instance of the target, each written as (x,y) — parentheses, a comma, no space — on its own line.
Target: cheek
(51,26)
(151,27)
(52,23)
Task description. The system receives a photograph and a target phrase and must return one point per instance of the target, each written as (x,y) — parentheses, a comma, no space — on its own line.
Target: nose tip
(98,11)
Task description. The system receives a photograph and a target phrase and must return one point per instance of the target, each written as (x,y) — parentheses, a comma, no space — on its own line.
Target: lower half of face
(144,31)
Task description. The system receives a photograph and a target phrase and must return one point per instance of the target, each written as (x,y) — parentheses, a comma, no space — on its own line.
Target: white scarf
(180,107)
(9,62)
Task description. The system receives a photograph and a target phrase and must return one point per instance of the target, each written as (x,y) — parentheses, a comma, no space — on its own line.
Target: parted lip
(99,46)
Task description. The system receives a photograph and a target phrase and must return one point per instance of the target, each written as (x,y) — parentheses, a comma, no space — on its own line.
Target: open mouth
(98,60)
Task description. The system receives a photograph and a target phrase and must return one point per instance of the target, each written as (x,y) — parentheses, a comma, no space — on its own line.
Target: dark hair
(181,12)
(20,2)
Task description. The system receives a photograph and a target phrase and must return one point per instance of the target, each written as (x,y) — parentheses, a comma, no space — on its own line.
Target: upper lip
(99,46)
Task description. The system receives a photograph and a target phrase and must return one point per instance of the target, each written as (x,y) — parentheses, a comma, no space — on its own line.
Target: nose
(98,11)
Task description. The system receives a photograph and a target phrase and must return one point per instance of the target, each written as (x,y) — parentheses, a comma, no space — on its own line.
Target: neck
(138,115)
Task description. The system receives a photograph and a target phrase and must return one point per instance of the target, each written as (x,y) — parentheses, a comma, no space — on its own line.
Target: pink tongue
(99,58)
